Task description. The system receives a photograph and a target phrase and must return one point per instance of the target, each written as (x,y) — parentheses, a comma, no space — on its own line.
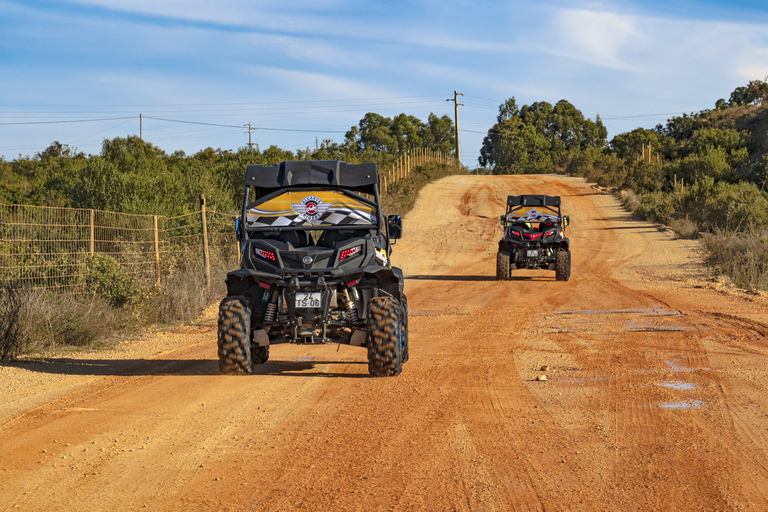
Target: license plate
(308,299)
(533,253)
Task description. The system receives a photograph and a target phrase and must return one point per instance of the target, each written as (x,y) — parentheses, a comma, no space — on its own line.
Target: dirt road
(655,397)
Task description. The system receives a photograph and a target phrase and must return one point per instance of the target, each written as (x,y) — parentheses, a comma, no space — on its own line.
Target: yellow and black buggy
(314,267)
(534,237)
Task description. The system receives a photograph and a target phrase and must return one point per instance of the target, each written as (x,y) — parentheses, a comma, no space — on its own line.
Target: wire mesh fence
(49,247)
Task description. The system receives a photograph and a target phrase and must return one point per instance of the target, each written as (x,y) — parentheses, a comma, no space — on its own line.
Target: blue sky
(302,71)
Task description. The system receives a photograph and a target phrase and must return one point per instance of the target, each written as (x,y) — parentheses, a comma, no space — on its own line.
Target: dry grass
(741,256)
(42,321)
(685,228)
(630,200)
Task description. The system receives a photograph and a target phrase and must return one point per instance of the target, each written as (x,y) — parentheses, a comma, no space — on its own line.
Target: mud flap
(359,338)
(260,338)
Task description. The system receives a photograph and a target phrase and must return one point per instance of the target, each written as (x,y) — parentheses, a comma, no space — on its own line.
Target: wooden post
(157,249)
(91,232)
(206,262)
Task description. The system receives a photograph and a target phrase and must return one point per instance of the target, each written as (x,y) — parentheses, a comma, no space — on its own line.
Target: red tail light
(346,253)
(267,255)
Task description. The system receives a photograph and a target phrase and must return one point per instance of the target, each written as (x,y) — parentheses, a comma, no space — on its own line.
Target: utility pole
(456,105)
(141,126)
(250,142)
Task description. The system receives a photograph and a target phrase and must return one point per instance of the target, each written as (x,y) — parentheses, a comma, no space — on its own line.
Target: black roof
(533,200)
(362,177)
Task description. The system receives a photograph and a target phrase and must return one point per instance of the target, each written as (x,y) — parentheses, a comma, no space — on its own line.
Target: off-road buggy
(314,267)
(534,237)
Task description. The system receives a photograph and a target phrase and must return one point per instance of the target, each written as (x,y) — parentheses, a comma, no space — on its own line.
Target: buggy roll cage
(357,181)
(547,203)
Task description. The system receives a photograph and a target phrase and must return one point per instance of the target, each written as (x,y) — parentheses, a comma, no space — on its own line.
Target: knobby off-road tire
(235,336)
(259,355)
(406,350)
(563,266)
(385,337)
(502,266)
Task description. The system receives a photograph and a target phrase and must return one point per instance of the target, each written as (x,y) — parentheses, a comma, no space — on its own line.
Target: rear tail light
(267,255)
(346,253)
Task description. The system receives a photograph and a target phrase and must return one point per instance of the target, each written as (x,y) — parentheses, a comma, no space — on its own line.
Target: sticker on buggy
(321,208)
(311,208)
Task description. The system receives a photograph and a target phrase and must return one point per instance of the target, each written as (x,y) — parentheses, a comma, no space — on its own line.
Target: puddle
(579,381)
(675,367)
(682,405)
(631,311)
(678,385)
(658,329)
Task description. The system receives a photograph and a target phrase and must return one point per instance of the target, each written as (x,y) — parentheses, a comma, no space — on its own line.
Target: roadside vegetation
(705,175)
(131,175)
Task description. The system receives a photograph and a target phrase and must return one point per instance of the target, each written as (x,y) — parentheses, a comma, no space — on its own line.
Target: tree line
(131,175)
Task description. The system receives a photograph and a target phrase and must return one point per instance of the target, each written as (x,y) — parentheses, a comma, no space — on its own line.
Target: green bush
(657,207)
(720,205)
(106,278)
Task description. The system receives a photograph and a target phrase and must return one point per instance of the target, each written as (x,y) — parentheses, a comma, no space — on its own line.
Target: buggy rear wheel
(234,336)
(385,337)
(502,266)
(406,350)
(563,265)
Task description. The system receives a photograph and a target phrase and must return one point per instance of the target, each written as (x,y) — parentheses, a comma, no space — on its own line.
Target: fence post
(91,237)
(157,249)
(206,262)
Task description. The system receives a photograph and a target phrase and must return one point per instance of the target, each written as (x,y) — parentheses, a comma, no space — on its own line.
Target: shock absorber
(350,306)
(269,314)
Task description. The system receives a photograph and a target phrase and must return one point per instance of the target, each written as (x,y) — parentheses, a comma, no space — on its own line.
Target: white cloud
(596,37)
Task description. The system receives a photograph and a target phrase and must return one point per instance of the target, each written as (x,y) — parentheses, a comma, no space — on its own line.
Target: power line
(230,104)
(72,121)
(240,127)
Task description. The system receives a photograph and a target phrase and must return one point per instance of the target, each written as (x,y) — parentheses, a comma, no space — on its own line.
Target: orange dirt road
(655,395)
